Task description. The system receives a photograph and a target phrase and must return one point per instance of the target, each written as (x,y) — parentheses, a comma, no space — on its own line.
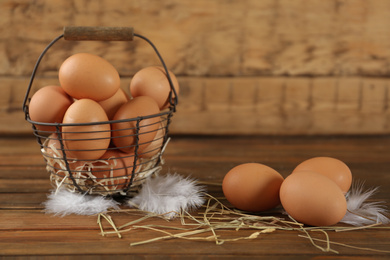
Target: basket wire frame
(81,179)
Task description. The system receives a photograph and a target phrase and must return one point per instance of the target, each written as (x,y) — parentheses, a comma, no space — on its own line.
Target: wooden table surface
(25,230)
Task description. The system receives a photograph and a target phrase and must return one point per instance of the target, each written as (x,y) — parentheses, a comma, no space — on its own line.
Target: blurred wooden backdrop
(245,67)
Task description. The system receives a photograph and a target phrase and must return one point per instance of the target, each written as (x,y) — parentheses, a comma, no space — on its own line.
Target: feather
(168,195)
(63,202)
(360,211)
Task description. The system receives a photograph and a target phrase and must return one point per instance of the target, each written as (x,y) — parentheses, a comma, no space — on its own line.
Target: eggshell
(124,133)
(85,75)
(155,146)
(128,160)
(112,173)
(153,82)
(48,105)
(53,147)
(54,155)
(330,167)
(53,150)
(75,166)
(252,187)
(313,199)
(86,142)
(112,104)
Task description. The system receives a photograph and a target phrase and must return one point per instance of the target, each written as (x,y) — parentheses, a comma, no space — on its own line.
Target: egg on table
(332,168)
(312,198)
(252,187)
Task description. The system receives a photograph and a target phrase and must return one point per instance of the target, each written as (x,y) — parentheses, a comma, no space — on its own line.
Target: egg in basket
(94,137)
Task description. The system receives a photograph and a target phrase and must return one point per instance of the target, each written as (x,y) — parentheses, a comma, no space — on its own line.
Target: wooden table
(25,230)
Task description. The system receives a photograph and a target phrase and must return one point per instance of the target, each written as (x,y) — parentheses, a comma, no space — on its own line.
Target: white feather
(169,195)
(63,202)
(360,210)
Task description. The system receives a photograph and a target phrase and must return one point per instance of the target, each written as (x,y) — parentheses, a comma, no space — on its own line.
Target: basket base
(88,183)
(82,179)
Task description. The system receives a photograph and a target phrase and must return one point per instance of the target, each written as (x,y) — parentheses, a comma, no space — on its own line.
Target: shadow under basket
(102,167)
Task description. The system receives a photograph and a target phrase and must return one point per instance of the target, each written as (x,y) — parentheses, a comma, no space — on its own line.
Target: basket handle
(94,33)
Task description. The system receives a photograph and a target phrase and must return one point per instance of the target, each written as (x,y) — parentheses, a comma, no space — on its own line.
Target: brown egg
(75,166)
(53,151)
(48,105)
(313,199)
(124,133)
(128,160)
(112,173)
(85,75)
(153,82)
(252,187)
(155,146)
(112,104)
(53,147)
(332,168)
(54,156)
(86,142)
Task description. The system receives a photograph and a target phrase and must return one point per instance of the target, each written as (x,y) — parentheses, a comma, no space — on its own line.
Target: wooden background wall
(245,67)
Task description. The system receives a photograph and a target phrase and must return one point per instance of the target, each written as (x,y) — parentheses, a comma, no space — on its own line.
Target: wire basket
(123,170)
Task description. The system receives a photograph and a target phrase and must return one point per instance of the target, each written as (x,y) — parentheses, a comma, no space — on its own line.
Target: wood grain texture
(288,70)
(254,105)
(280,37)
(25,230)
(287,67)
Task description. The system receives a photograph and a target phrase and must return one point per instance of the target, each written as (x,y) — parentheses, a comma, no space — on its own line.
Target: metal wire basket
(121,174)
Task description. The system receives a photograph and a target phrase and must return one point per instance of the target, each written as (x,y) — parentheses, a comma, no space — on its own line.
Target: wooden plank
(25,185)
(88,241)
(272,38)
(189,157)
(20,146)
(37,220)
(285,106)
(259,105)
(22,201)
(27,231)
(21,172)
(229,148)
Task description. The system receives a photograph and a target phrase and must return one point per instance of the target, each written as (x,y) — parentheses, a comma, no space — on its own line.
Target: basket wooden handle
(94,33)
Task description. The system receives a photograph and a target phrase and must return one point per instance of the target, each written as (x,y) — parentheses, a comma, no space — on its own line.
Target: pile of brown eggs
(96,136)
(313,194)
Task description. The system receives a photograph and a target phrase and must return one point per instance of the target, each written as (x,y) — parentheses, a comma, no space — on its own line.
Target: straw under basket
(122,174)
